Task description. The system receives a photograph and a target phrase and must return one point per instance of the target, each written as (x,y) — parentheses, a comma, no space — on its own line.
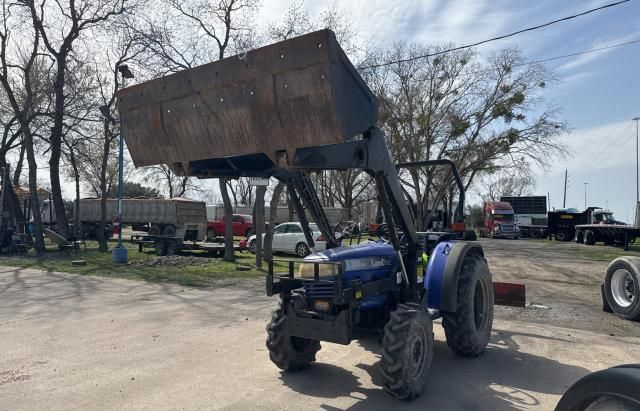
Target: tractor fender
(443,271)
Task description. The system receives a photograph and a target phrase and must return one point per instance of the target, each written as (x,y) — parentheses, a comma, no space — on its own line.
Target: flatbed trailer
(610,234)
(165,245)
(532,231)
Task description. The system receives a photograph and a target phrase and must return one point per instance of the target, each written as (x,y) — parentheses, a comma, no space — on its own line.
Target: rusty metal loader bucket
(237,115)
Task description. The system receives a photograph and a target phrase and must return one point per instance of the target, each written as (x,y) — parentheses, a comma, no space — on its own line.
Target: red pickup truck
(242,226)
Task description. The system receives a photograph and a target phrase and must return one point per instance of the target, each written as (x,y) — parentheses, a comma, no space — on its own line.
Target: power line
(495,38)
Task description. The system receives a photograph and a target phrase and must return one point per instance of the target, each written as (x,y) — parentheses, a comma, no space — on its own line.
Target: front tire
(622,287)
(469,328)
(407,351)
(287,352)
(302,250)
(562,236)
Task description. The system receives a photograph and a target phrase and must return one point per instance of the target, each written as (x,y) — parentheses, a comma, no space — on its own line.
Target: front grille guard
(351,292)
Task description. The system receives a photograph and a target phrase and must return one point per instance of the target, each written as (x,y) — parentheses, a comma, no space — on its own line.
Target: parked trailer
(610,234)
(165,245)
(530,215)
(176,217)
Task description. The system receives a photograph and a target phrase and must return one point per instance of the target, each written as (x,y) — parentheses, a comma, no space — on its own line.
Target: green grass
(99,264)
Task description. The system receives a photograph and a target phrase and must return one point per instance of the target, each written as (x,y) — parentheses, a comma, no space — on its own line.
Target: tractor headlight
(306,270)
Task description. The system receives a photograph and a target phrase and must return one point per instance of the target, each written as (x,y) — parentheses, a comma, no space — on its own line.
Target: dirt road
(82,342)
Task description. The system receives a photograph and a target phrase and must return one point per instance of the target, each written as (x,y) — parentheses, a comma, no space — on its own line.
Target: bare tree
(506,185)
(485,115)
(20,92)
(59,33)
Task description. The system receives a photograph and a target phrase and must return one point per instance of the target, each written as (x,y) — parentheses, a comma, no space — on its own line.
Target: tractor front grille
(318,289)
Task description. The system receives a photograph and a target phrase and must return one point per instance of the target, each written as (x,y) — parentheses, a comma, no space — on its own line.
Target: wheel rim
(418,353)
(252,246)
(623,287)
(480,305)
(302,250)
(560,236)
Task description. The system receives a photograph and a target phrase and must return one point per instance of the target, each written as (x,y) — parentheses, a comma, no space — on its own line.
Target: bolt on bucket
(235,116)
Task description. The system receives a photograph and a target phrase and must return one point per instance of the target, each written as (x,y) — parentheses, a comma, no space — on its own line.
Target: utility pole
(564,198)
(585,195)
(636,119)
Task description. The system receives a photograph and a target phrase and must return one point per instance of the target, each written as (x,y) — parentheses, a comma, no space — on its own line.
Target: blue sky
(598,93)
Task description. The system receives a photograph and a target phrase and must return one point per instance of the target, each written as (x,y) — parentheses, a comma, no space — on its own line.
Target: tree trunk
(62,223)
(229,254)
(33,192)
(77,226)
(18,171)
(273,216)
(106,148)
(258,223)
(10,198)
(290,206)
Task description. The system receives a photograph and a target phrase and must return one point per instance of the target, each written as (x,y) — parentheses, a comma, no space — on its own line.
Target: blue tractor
(286,111)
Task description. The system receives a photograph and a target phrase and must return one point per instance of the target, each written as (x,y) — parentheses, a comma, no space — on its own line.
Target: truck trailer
(176,217)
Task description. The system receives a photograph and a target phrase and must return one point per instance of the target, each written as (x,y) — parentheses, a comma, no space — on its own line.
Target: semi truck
(498,220)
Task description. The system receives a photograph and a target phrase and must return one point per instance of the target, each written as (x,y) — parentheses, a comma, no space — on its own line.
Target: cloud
(598,148)
(585,59)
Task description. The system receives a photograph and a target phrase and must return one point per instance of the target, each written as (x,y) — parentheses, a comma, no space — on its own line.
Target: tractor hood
(370,249)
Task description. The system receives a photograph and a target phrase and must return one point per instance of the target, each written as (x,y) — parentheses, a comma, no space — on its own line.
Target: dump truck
(176,217)
(285,111)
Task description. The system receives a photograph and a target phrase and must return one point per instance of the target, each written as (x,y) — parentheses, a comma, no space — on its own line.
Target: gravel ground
(83,342)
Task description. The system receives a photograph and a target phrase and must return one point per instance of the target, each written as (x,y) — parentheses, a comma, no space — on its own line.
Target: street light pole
(585,195)
(120,254)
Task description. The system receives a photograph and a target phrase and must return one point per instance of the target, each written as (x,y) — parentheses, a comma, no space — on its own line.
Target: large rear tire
(589,237)
(469,328)
(161,247)
(622,287)
(287,352)
(407,351)
(579,237)
(616,388)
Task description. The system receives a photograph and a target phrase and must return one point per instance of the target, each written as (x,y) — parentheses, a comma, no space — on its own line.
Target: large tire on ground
(469,328)
(211,233)
(161,247)
(562,236)
(407,351)
(589,237)
(579,237)
(616,388)
(302,250)
(287,352)
(622,287)
(169,231)
(172,247)
(154,230)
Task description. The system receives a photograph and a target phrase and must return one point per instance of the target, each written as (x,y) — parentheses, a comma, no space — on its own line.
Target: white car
(289,238)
